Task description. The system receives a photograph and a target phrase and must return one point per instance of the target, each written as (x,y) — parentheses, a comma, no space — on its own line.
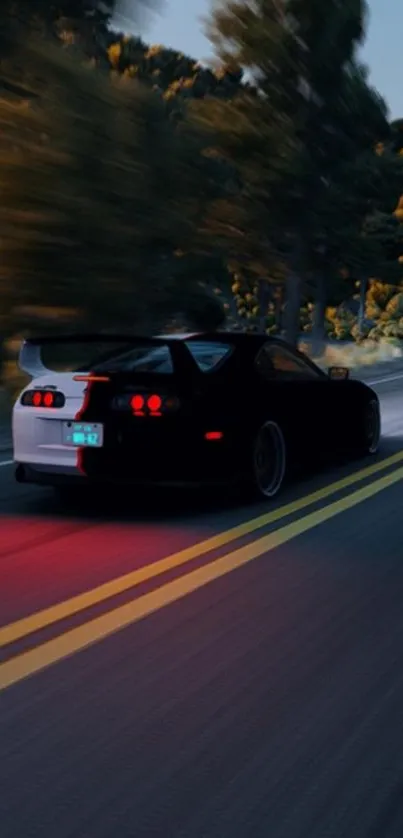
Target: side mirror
(338,373)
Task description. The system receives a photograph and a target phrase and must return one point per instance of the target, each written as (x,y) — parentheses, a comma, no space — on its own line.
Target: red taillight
(213,435)
(43,398)
(137,403)
(145,404)
(154,403)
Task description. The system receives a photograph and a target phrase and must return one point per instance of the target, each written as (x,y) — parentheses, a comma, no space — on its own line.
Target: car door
(302,397)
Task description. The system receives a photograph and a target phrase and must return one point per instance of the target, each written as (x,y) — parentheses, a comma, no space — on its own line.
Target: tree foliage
(94,201)
(170,72)
(139,186)
(314,115)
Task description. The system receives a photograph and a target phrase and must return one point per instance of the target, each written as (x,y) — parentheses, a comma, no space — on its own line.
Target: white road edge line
(6,463)
(384,380)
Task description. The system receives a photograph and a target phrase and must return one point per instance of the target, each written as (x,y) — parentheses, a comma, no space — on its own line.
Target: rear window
(208,355)
(139,359)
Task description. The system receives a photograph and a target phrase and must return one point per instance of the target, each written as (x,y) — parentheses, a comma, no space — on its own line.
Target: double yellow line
(90,632)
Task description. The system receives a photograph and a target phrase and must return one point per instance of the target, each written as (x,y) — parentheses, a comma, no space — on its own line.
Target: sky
(179,25)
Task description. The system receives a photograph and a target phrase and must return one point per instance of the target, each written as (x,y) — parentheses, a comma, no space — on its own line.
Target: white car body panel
(38,432)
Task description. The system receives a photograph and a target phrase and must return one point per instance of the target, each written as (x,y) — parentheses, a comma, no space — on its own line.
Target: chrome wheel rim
(269,459)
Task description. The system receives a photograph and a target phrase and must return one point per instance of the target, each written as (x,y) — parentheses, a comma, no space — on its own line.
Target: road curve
(186,668)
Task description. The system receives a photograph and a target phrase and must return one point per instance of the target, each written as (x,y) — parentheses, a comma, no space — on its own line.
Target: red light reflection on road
(44,561)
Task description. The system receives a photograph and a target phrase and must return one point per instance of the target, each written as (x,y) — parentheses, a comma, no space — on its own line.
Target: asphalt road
(164,674)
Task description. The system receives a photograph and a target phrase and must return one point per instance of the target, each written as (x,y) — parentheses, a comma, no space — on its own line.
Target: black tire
(269,461)
(371,429)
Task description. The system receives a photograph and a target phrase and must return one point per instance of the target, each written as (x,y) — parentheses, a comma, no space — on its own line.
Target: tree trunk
(232,312)
(292,307)
(278,314)
(264,299)
(361,310)
(318,326)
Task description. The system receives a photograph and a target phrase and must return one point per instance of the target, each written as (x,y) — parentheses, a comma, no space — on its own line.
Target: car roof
(236,338)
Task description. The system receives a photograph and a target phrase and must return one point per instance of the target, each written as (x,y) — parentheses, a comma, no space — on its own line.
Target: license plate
(83,434)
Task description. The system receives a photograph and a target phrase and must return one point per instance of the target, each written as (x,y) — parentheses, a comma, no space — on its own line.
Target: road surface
(203,669)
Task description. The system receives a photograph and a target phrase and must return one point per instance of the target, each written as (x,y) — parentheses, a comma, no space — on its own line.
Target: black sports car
(188,409)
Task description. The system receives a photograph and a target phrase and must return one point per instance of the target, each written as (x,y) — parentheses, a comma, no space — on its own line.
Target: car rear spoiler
(30,356)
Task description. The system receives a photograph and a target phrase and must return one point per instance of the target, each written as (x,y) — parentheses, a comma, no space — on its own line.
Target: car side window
(141,359)
(280,363)
(208,355)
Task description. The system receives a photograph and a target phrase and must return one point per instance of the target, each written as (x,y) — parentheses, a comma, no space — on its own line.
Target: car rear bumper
(175,455)
(28,474)
(173,461)
(47,475)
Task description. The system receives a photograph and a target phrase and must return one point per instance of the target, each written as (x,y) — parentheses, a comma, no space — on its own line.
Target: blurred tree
(179,79)
(94,201)
(256,151)
(384,311)
(299,55)
(345,244)
(172,73)
(395,140)
(82,23)
(375,245)
(19,17)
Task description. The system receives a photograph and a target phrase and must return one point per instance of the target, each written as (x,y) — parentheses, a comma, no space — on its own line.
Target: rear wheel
(269,460)
(371,428)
